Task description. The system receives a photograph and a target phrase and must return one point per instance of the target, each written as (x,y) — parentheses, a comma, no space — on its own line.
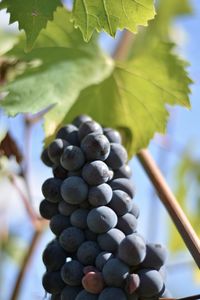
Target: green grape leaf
(133,99)
(32,15)
(108,16)
(167,11)
(56,75)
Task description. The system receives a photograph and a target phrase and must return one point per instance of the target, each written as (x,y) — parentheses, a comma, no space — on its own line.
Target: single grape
(70,292)
(102,259)
(71,238)
(93,282)
(115,272)
(51,190)
(132,283)
(69,133)
(155,257)
(54,250)
(59,172)
(117,156)
(89,127)
(110,240)
(127,223)
(100,195)
(151,283)
(84,295)
(123,184)
(135,210)
(81,119)
(101,219)
(72,273)
(74,190)
(95,172)
(46,159)
(112,135)
(95,146)
(55,150)
(48,209)
(66,209)
(132,250)
(72,158)
(111,293)
(123,172)
(121,202)
(52,282)
(87,252)
(58,223)
(79,218)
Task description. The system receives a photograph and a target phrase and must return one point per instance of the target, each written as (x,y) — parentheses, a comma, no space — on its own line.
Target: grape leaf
(166,12)
(31,15)
(108,16)
(59,73)
(136,95)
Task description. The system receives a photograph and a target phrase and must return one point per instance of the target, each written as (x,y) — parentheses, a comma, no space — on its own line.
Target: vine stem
(165,194)
(30,211)
(27,258)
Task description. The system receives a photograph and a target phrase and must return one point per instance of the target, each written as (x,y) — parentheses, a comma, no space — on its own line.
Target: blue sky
(184,129)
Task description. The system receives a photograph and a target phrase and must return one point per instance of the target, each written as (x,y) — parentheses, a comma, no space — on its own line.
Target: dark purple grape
(102,259)
(55,150)
(81,119)
(71,238)
(70,292)
(74,190)
(79,218)
(89,127)
(58,223)
(115,272)
(121,202)
(72,158)
(59,172)
(101,219)
(123,172)
(66,209)
(112,135)
(54,250)
(151,283)
(83,295)
(155,257)
(72,273)
(95,146)
(46,159)
(100,195)
(87,252)
(135,210)
(110,240)
(69,133)
(51,190)
(127,223)
(48,209)
(117,156)
(122,184)
(132,250)
(95,172)
(52,282)
(110,293)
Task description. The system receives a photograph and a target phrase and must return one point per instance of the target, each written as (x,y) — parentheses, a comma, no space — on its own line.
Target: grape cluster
(97,252)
